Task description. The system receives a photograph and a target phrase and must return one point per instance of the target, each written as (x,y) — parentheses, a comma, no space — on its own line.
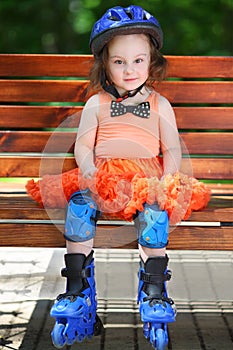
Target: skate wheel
(58,338)
(160,339)
(146,330)
(98,327)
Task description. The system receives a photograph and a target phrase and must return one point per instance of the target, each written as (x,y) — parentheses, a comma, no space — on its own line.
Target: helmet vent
(130,14)
(114,18)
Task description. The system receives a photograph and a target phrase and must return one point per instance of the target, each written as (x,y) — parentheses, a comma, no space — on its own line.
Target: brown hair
(99,71)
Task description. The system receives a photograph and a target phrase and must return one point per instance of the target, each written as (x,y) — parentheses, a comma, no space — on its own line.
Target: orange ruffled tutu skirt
(122,186)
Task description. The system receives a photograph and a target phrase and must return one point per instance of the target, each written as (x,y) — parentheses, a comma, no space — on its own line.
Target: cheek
(147,70)
(110,72)
(115,72)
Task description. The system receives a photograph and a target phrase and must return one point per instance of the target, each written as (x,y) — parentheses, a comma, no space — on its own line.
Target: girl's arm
(85,142)
(169,138)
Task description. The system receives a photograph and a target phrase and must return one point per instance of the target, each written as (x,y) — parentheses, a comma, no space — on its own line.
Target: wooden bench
(42,95)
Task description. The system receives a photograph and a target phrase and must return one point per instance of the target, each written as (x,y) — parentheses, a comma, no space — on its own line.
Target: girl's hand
(90,172)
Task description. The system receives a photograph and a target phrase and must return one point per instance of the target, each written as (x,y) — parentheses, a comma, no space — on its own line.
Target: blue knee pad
(81,217)
(152,226)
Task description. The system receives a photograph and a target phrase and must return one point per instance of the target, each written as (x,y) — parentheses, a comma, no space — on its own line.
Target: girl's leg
(145,252)
(78,247)
(155,307)
(75,310)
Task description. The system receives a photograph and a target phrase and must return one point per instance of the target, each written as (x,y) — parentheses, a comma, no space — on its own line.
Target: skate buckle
(169,275)
(88,301)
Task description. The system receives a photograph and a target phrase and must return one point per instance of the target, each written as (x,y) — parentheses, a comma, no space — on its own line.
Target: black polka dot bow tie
(142,110)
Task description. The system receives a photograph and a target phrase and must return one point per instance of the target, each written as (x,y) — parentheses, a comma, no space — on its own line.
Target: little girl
(123,129)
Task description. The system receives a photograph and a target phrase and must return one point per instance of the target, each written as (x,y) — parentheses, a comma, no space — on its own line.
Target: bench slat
(204,118)
(68,116)
(74,90)
(207,143)
(209,168)
(46,235)
(200,66)
(16,187)
(42,90)
(197,92)
(15,206)
(29,166)
(79,65)
(12,166)
(48,142)
(45,65)
(38,116)
(29,141)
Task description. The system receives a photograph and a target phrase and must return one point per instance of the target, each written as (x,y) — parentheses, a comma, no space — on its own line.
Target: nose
(128,68)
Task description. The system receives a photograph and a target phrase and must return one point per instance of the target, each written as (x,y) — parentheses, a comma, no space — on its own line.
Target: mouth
(129,80)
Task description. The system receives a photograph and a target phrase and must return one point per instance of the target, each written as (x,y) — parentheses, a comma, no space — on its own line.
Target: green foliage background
(191,27)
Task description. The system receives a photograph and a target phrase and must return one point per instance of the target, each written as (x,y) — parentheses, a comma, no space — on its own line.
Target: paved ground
(202,286)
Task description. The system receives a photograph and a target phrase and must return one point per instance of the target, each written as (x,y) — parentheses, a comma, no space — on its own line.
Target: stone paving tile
(183,333)
(15,318)
(213,331)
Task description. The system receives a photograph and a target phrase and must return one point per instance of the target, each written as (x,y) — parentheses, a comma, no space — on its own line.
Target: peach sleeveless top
(127,136)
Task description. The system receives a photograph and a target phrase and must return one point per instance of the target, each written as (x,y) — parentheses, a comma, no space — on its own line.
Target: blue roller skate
(75,310)
(155,308)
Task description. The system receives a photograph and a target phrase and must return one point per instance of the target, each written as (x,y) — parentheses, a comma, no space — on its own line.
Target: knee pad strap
(152,227)
(81,217)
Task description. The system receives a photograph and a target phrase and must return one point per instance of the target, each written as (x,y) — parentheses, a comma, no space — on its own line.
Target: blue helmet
(119,21)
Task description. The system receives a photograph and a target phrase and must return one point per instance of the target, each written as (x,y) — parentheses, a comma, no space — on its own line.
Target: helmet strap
(110,88)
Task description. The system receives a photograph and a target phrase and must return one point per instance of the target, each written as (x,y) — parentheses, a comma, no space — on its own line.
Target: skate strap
(69,295)
(155,298)
(84,273)
(155,278)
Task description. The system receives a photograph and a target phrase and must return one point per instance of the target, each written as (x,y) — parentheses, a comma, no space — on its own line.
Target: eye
(139,60)
(118,62)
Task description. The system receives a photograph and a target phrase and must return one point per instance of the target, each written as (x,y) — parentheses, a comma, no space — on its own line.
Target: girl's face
(128,61)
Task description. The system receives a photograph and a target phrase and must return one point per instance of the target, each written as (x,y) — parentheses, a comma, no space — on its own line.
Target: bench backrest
(42,97)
